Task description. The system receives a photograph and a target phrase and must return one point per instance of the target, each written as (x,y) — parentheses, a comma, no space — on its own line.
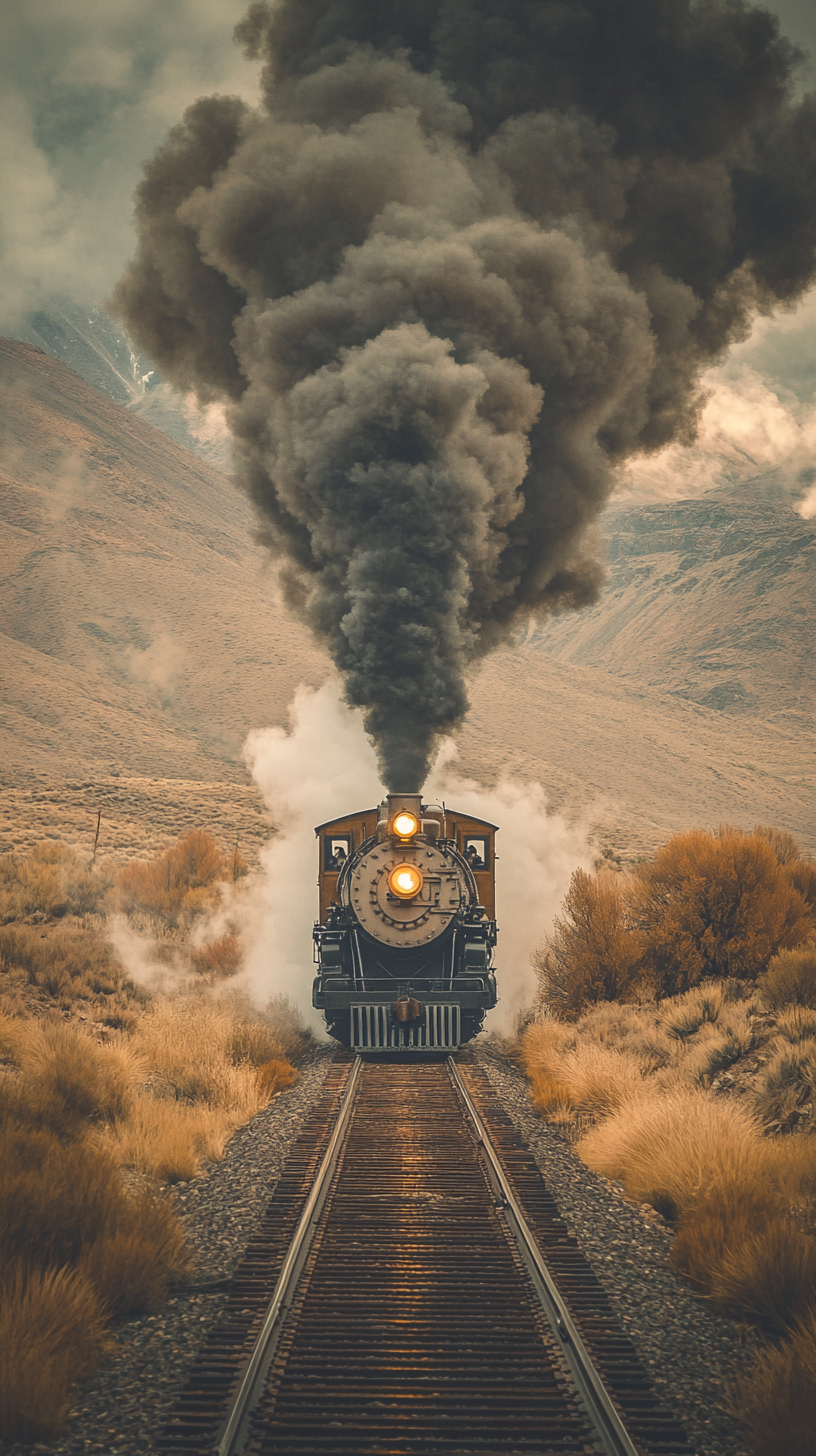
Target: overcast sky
(90,88)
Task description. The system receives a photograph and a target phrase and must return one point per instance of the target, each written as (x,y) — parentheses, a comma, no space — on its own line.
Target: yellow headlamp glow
(405,824)
(405,880)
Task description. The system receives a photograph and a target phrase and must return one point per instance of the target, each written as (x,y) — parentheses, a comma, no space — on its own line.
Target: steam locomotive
(404,942)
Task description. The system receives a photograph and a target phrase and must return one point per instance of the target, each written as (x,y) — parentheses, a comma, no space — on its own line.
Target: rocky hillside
(142,637)
(709,599)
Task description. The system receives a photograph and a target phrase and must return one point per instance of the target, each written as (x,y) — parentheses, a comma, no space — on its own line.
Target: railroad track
(412,1290)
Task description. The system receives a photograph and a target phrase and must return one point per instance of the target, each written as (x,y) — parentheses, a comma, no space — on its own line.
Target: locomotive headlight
(405,824)
(405,880)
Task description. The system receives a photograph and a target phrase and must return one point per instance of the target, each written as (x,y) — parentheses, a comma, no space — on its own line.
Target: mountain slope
(710,599)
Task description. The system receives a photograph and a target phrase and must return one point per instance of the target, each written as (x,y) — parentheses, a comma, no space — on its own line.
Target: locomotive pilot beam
(404,942)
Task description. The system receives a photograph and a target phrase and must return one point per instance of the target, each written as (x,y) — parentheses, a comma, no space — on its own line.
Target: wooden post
(96,836)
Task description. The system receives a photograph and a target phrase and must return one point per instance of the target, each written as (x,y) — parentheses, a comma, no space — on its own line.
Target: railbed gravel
(692,1356)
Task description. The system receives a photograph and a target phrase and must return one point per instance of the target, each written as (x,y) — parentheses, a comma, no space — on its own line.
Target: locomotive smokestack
(447,279)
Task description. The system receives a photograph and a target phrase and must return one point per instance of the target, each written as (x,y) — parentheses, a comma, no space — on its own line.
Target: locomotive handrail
(251,1386)
(614,1435)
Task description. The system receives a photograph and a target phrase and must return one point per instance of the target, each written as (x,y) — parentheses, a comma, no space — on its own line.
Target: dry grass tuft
(67,1079)
(787,1083)
(776,1401)
(52,1333)
(170,1140)
(671,1150)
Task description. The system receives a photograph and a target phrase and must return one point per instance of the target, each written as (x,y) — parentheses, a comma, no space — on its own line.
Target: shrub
(68,964)
(791,976)
(54,880)
(216,960)
(51,1335)
(181,881)
(591,956)
(776,1401)
(714,905)
(276,1076)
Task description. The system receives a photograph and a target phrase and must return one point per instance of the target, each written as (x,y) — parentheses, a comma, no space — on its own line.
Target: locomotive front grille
(373,1030)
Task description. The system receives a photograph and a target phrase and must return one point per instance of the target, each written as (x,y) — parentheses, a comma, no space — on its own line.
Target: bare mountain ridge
(709,599)
(143,637)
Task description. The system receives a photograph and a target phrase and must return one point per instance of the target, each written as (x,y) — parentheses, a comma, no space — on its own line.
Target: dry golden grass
(670,1150)
(776,1402)
(170,1141)
(68,1079)
(275,1076)
(786,1083)
(53,880)
(52,1333)
(68,964)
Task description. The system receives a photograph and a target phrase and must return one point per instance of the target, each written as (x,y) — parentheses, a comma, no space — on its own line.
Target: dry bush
(670,1150)
(62,1203)
(51,1335)
(67,1079)
(180,882)
(219,959)
(770,1277)
(790,977)
(592,955)
(786,1083)
(586,1076)
(276,1076)
(739,1247)
(683,1016)
(54,880)
(71,964)
(775,1403)
(170,1140)
(714,905)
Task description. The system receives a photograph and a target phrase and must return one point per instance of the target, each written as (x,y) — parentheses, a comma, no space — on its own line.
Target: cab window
(336,850)
(476,850)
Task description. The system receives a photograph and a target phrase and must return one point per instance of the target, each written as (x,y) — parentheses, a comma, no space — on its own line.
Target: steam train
(404,942)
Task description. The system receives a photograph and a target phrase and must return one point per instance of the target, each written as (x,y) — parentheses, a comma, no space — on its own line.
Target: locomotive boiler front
(405,936)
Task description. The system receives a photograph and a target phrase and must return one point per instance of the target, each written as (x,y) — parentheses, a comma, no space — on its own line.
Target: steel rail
(233,1432)
(589,1383)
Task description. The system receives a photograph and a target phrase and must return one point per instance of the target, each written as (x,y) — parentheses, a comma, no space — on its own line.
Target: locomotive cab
(406,929)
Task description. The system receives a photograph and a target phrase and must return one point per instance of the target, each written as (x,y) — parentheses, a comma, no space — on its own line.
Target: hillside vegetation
(675,1043)
(109,1092)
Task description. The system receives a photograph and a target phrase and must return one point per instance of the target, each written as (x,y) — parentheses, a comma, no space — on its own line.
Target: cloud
(88,90)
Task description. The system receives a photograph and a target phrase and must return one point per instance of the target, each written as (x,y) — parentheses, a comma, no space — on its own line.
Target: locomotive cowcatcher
(404,943)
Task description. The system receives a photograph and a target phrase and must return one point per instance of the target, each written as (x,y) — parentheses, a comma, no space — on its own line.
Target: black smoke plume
(467,258)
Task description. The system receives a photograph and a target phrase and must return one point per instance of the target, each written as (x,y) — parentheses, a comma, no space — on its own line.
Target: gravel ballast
(691,1355)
